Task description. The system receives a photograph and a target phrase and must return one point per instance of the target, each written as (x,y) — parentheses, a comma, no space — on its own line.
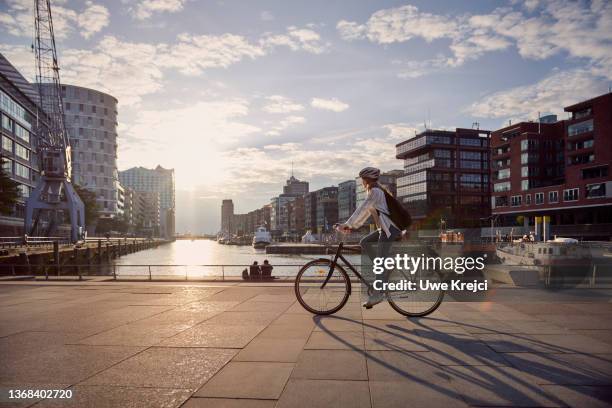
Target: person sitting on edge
(266,270)
(254,271)
(375,205)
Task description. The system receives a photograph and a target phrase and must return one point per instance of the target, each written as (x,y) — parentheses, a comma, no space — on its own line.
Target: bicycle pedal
(368,307)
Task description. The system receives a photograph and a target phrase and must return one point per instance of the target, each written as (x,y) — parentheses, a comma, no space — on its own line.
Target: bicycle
(323,287)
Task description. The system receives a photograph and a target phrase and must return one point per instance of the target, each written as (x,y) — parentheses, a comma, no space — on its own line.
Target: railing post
(593,275)
(150,277)
(114,272)
(223,273)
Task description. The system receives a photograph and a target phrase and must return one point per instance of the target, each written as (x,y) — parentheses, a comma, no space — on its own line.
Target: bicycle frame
(346,263)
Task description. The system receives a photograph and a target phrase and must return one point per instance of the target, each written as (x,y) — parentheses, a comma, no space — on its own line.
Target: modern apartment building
(296,215)
(557,172)
(158,180)
(91,123)
(279,215)
(134,209)
(327,208)
(347,197)
(18,110)
(446,177)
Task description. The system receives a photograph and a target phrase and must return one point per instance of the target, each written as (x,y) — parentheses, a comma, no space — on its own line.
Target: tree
(9,191)
(89,201)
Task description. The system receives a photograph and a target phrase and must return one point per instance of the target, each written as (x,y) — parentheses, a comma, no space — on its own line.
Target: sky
(233,94)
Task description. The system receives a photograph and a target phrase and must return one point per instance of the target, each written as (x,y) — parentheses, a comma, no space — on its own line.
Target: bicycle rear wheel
(417,302)
(317,299)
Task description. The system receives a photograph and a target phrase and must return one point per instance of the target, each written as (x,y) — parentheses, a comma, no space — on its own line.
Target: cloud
(295,39)
(402,131)
(144,9)
(551,94)
(416,69)
(19,19)
(284,124)
(281,104)
(333,104)
(266,15)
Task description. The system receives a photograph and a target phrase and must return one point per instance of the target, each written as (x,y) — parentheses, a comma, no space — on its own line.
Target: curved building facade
(91,123)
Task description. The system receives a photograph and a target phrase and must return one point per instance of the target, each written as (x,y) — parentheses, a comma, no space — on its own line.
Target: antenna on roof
(291,169)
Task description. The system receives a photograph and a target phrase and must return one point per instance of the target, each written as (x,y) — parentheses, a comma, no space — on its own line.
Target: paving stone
(402,366)
(580,396)
(228,403)
(325,394)
(187,368)
(241,318)
(396,394)
(286,331)
(135,335)
(66,364)
(569,369)
(601,335)
(253,306)
(384,340)
(84,396)
(331,365)
(334,323)
(216,336)
(335,341)
(266,349)
(248,380)
(499,386)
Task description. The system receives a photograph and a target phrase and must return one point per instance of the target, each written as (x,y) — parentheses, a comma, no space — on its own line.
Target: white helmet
(370,173)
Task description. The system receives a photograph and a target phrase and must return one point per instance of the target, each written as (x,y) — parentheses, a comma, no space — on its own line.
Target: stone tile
(325,394)
(579,321)
(216,336)
(242,318)
(574,343)
(334,323)
(19,345)
(228,403)
(395,394)
(187,368)
(281,297)
(207,307)
(601,335)
(580,396)
(67,364)
(304,320)
(266,349)
(108,397)
(135,335)
(467,351)
(384,340)
(335,341)
(248,380)
(594,308)
(499,386)
(517,343)
(331,365)
(402,366)
(286,331)
(252,306)
(569,369)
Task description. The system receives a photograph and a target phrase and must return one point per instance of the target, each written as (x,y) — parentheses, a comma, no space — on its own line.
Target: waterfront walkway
(248,346)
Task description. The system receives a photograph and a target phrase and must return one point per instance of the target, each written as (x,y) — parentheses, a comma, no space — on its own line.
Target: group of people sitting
(258,272)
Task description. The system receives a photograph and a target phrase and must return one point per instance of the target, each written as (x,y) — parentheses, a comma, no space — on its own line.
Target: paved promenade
(227,345)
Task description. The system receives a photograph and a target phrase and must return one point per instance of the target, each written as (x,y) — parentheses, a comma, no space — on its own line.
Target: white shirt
(375,205)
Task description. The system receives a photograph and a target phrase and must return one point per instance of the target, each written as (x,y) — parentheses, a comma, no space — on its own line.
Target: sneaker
(374,299)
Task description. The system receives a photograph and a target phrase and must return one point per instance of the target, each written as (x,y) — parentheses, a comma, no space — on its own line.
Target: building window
(498,187)
(81,107)
(571,194)
(528,199)
(7,165)
(501,201)
(7,144)
(582,113)
(7,123)
(596,190)
(524,145)
(24,190)
(595,172)
(579,128)
(524,185)
(93,108)
(516,200)
(539,198)
(22,171)
(553,196)
(67,106)
(22,133)
(22,152)
(503,174)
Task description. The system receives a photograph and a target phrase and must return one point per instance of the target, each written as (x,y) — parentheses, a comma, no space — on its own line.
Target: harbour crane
(54,197)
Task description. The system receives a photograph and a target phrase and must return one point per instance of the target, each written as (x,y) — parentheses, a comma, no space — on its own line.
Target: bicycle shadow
(470,369)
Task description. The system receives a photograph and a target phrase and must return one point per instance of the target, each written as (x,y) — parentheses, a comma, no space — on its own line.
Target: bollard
(222,272)
(99,251)
(56,256)
(114,271)
(150,278)
(593,275)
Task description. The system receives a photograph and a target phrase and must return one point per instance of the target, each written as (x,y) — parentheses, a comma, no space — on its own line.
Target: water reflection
(190,258)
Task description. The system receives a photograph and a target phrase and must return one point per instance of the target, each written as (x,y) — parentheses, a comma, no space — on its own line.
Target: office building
(158,180)
(446,178)
(91,124)
(346,199)
(557,172)
(279,214)
(227,216)
(326,209)
(18,110)
(296,213)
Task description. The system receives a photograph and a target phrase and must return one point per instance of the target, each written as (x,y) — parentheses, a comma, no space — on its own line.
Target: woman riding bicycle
(377,243)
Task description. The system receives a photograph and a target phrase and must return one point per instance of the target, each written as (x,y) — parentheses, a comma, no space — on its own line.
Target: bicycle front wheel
(319,299)
(417,302)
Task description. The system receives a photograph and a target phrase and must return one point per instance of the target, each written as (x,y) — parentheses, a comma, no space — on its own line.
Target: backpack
(399,215)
